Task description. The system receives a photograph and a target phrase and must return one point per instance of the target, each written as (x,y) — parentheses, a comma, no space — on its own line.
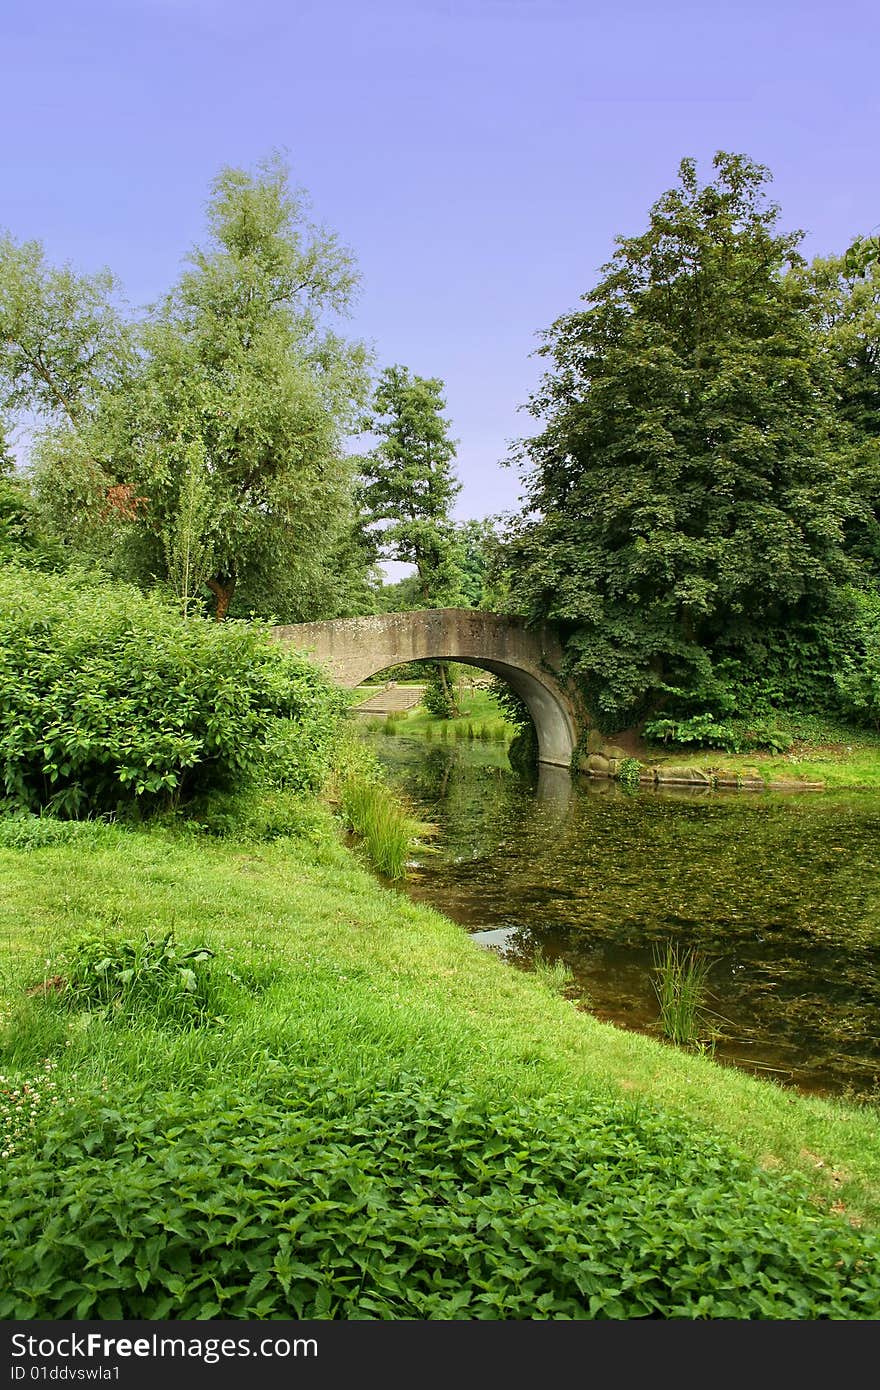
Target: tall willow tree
(243,372)
(65,346)
(63,340)
(688,490)
(217,461)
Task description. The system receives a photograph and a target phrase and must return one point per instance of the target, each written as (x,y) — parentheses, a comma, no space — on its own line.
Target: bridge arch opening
(353,649)
(553,725)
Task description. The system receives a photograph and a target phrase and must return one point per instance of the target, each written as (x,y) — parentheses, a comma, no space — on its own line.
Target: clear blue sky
(478,155)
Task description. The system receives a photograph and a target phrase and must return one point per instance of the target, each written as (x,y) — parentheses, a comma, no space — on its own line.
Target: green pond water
(781,892)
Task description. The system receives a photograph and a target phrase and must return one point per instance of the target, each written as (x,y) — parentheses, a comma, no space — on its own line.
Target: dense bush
(21,540)
(734,736)
(439,695)
(108,697)
(763,686)
(858,680)
(326,1198)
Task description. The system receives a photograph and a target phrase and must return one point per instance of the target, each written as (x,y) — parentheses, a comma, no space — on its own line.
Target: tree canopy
(410,484)
(63,339)
(689,485)
(846,309)
(217,456)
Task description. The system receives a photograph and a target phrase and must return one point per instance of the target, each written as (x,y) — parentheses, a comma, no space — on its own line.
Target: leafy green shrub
(109,698)
(153,979)
(750,675)
(628,771)
(439,695)
(21,537)
(329,1198)
(704,731)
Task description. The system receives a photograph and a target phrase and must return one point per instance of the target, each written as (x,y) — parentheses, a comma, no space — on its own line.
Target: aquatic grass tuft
(385,827)
(680,983)
(554,974)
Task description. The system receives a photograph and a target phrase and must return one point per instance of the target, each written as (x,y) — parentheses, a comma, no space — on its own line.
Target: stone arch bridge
(528,659)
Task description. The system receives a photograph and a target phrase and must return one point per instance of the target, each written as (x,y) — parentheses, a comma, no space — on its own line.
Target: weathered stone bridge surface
(351,649)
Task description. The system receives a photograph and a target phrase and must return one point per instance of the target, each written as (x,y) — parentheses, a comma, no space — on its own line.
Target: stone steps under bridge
(394,699)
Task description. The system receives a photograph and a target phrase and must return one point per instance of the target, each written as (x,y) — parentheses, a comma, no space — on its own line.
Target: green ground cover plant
(332,1197)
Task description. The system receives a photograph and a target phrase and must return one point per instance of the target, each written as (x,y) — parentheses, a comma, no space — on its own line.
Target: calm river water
(781,892)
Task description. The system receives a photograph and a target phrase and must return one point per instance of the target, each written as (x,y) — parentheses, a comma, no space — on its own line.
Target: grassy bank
(463,1142)
(852,765)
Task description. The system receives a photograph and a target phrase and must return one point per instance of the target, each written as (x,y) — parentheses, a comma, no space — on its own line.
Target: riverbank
(817,770)
(822,754)
(831,757)
(340,980)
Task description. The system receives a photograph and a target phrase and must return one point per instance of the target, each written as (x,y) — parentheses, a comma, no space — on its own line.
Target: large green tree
(246,380)
(687,489)
(219,462)
(410,482)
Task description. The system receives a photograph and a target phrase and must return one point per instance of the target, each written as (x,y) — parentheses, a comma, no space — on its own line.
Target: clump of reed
(393,718)
(680,983)
(386,829)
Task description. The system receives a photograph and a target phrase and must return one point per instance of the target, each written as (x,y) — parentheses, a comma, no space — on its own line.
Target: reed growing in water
(680,983)
(385,827)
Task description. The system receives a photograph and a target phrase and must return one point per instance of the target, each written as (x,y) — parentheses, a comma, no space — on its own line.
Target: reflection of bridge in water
(528,659)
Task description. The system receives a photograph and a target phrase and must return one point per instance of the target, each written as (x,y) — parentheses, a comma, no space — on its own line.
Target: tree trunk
(448,691)
(222,589)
